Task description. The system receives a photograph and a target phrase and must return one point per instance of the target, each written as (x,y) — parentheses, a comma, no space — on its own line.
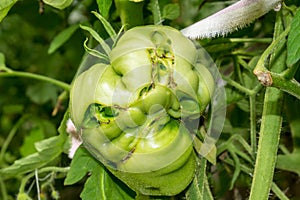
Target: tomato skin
(132,112)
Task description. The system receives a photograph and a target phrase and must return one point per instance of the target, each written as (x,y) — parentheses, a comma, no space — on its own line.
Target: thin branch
(39,77)
(290,86)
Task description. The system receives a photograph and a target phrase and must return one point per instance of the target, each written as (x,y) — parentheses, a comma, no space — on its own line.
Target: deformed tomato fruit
(138,114)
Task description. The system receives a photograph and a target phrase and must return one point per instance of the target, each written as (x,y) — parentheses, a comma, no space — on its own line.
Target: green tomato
(137,114)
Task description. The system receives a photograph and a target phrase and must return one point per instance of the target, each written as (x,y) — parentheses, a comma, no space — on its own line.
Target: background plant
(40,54)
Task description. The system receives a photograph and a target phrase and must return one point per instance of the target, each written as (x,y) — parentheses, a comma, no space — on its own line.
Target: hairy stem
(156,11)
(284,80)
(278,192)
(270,128)
(290,86)
(253,140)
(240,40)
(230,19)
(268,145)
(261,64)
(238,86)
(4,195)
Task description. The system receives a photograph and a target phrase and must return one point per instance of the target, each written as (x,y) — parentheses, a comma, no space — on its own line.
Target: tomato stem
(12,73)
(10,136)
(25,180)
(270,126)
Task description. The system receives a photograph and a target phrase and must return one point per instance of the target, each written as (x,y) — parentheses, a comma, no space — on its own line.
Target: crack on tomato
(162,59)
(128,156)
(97,114)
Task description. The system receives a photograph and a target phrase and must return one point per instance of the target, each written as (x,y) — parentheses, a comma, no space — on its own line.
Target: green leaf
(207,150)
(232,95)
(13,109)
(42,93)
(237,169)
(109,29)
(80,166)
(293,45)
(5,6)
(104,6)
(48,150)
(97,37)
(95,52)
(62,37)
(289,162)
(292,107)
(62,129)
(23,196)
(60,4)
(2,61)
(171,11)
(35,135)
(100,184)
(107,189)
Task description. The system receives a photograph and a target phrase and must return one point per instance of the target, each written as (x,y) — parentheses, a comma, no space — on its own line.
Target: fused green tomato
(138,114)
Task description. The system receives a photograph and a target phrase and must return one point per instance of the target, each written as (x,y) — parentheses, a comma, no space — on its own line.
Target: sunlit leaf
(95,52)
(2,61)
(35,135)
(60,4)
(40,130)
(48,150)
(208,151)
(109,29)
(171,11)
(5,6)
(97,37)
(211,155)
(80,166)
(100,183)
(293,45)
(62,37)
(104,6)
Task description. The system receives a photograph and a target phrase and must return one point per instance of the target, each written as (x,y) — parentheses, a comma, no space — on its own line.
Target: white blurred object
(236,16)
(75,138)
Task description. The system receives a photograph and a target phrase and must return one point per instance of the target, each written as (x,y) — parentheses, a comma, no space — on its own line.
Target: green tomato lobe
(133,113)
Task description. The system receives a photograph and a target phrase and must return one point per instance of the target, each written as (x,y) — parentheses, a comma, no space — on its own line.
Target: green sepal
(168,181)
